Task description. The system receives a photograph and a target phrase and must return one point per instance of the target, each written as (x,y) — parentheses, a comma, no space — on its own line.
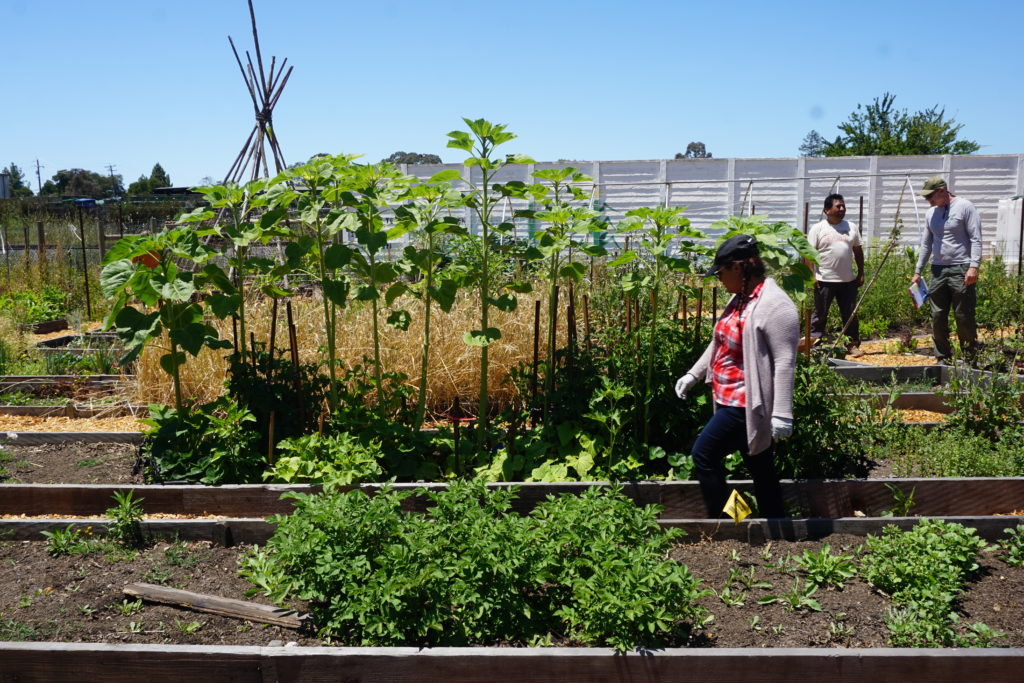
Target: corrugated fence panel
(771,188)
(702,186)
(713,189)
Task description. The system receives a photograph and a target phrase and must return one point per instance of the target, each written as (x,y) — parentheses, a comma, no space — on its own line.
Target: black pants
(845,294)
(724,433)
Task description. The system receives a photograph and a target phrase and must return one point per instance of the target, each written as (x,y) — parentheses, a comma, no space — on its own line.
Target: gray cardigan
(770,335)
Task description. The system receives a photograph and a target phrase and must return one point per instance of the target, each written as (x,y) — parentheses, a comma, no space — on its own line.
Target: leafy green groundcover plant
(588,570)
(35,305)
(924,571)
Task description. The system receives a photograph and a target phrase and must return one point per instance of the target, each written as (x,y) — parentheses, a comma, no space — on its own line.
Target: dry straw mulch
(453,370)
(31,423)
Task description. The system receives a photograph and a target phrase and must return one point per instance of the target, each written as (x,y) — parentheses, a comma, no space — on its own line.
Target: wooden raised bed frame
(174,663)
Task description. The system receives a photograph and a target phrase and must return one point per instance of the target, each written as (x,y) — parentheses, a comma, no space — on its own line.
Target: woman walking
(749,364)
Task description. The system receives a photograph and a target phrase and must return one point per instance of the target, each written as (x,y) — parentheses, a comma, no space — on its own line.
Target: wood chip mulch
(920,416)
(885,353)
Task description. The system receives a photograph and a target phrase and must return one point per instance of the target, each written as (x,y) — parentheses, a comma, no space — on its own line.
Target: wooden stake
(293,342)
(698,320)
(586,319)
(270,437)
(273,335)
(536,362)
(41,252)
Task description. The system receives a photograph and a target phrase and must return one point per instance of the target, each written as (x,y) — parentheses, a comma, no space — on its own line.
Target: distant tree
(78,182)
(16,181)
(813,145)
(694,150)
(145,185)
(158,177)
(882,129)
(140,186)
(412,158)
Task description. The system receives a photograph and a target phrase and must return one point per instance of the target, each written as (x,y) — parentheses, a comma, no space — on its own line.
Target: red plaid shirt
(727,387)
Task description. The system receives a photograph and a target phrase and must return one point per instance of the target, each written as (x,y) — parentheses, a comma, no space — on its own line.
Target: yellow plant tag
(736,507)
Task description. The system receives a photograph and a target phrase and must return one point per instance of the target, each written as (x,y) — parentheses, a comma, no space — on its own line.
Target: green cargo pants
(947,289)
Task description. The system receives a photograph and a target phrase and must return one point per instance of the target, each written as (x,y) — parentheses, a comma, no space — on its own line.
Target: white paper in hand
(919,293)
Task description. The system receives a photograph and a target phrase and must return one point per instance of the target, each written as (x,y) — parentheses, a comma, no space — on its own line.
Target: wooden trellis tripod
(265,90)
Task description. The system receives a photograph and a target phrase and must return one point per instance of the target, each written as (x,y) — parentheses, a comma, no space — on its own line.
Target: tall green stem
(421,400)
(549,376)
(176,376)
(485,217)
(329,320)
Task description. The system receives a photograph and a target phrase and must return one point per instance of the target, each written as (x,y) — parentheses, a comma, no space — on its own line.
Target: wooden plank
(240,500)
(680,500)
(35,662)
(100,663)
(213,604)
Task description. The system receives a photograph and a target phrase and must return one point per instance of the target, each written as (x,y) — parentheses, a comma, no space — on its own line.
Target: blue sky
(130,83)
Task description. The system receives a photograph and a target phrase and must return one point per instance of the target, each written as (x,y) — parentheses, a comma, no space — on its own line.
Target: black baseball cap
(735,248)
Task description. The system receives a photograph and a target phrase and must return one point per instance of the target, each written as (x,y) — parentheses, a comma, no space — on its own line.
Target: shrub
(887,306)
(832,434)
(208,443)
(924,570)
(48,302)
(589,570)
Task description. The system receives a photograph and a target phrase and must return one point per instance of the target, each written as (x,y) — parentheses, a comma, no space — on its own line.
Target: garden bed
(79,598)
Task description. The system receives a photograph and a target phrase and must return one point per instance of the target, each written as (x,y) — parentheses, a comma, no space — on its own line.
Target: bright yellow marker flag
(736,507)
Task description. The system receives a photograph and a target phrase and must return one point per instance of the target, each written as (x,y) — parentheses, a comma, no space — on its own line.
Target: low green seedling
(1011,549)
(823,568)
(125,518)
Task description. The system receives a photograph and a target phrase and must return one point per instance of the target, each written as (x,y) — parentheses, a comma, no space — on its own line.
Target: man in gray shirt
(952,238)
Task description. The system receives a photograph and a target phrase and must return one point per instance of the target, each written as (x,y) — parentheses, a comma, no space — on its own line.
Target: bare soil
(79,598)
(70,463)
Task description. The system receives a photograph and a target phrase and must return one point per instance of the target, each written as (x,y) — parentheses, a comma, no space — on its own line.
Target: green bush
(331,458)
(999,302)
(35,305)
(1011,548)
(590,570)
(924,571)
(832,434)
(887,306)
(209,443)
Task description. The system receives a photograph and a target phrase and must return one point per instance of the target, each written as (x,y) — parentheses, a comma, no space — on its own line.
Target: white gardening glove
(684,384)
(782,427)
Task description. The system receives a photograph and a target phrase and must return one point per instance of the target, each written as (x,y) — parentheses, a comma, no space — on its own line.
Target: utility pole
(39,180)
(113,183)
